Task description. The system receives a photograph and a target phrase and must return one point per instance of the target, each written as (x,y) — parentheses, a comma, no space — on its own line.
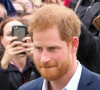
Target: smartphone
(20,31)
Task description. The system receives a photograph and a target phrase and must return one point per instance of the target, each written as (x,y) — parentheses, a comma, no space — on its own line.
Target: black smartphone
(20,31)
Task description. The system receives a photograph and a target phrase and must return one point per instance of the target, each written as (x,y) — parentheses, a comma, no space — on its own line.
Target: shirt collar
(73,83)
(45,85)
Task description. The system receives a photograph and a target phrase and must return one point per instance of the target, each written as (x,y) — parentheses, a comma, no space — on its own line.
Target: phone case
(19,31)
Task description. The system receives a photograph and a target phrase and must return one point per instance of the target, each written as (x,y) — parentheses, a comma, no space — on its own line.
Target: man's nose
(45,56)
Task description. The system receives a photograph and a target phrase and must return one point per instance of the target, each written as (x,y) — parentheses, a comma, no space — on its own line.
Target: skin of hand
(28,47)
(12,49)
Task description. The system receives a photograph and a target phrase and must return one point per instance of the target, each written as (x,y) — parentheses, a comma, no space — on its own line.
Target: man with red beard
(55,32)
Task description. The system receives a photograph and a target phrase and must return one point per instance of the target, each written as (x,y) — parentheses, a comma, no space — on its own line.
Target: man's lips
(47,66)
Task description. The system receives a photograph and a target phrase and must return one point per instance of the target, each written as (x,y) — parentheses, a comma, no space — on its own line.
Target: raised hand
(11,49)
(28,47)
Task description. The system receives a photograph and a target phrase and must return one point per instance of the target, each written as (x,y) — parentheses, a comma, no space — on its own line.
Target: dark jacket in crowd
(12,78)
(87,10)
(89,50)
(89,45)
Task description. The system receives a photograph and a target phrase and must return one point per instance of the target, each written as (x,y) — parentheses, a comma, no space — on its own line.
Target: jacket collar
(85,80)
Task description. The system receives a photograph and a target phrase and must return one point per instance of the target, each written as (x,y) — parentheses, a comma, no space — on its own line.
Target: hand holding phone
(20,31)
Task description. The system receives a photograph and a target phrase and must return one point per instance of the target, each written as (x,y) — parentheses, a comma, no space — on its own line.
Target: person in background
(22,11)
(19,7)
(28,4)
(55,32)
(3,12)
(86,10)
(27,17)
(15,68)
(9,7)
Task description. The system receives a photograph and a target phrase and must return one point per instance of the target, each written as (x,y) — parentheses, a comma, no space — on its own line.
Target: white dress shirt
(72,84)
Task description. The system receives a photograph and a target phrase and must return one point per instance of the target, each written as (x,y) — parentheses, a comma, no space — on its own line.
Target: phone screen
(19,31)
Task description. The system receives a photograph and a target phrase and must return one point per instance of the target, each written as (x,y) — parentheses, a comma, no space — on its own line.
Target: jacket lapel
(85,80)
(39,83)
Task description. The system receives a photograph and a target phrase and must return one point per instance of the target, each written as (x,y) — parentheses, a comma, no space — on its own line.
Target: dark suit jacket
(89,50)
(88,81)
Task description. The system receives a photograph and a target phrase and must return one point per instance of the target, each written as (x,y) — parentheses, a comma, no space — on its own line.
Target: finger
(27,45)
(18,48)
(11,39)
(18,52)
(16,43)
(14,51)
(29,50)
(28,39)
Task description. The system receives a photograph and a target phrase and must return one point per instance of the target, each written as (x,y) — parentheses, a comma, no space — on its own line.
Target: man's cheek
(60,56)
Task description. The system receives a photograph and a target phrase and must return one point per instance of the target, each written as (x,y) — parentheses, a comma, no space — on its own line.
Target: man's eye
(52,48)
(38,48)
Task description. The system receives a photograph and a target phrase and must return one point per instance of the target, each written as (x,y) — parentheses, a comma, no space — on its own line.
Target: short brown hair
(8,19)
(64,18)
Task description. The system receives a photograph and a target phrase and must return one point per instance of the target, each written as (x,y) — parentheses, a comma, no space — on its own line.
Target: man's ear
(74,44)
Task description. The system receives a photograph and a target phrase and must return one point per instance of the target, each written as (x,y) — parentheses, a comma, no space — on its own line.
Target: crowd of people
(61,47)
(15,68)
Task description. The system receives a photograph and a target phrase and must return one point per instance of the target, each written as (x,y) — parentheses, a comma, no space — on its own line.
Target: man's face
(52,56)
